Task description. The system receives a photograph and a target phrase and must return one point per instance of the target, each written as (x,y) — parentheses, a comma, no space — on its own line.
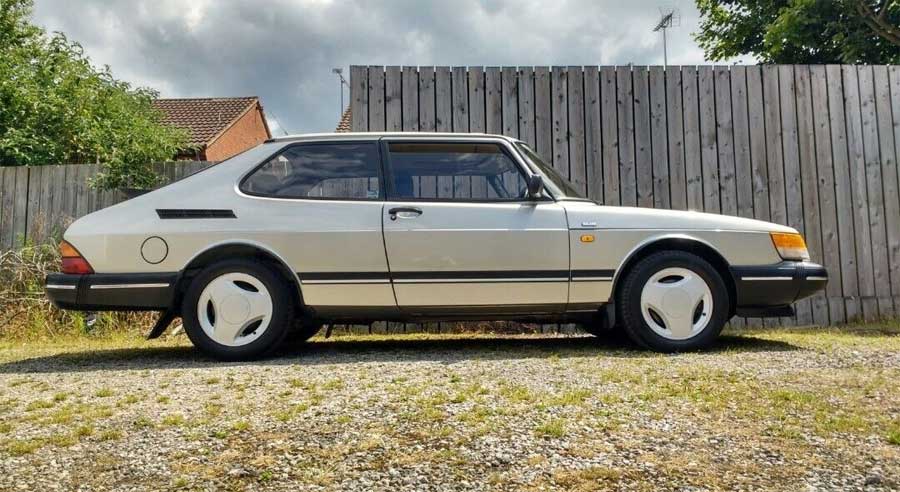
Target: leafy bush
(56,108)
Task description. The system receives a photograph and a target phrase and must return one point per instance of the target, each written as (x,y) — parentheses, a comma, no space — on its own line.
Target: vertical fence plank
(375,78)
(743,168)
(643,161)
(863,230)
(659,141)
(758,156)
(725,141)
(20,208)
(575,110)
(543,124)
(359,99)
(560,119)
(476,100)
(809,182)
(493,100)
(875,191)
(625,113)
(526,105)
(609,136)
(592,129)
(460,89)
(675,137)
(427,121)
(692,159)
(708,151)
(393,99)
(443,100)
(7,196)
(410,99)
(894,89)
(509,83)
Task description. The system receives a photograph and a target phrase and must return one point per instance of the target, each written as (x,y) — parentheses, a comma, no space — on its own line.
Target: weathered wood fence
(37,203)
(815,147)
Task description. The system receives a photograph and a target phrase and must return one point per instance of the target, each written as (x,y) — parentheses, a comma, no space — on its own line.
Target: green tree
(801,31)
(55,107)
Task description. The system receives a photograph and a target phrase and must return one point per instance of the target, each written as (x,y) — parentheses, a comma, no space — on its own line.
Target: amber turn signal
(587,238)
(790,246)
(72,261)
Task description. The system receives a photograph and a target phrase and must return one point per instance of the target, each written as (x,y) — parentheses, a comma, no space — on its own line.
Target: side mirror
(535,185)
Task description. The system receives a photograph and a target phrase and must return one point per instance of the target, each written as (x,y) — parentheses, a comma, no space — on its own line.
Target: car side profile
(303,231)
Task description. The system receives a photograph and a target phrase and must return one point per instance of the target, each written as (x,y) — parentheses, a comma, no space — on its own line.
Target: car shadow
(447,350)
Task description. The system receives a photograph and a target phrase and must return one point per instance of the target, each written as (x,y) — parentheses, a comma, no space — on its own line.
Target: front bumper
(112,291)
(769,290)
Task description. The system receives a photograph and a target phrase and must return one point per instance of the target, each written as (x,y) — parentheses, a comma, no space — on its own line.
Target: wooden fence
(37,203)
(814,147)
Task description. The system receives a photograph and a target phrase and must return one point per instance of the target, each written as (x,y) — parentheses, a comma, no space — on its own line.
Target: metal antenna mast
(668,18)
(340,73)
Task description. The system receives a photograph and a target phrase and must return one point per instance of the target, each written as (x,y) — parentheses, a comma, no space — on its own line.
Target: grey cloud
(283,50)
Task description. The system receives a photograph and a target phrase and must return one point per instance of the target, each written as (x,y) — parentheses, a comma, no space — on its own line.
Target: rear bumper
(112,291)
(769,290)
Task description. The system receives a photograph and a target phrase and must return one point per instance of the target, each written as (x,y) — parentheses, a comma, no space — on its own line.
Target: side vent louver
(194,213)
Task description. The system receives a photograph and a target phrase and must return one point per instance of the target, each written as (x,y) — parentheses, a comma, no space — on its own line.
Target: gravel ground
(776,410)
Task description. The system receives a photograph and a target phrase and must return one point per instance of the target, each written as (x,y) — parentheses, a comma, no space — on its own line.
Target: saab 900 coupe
(352,228)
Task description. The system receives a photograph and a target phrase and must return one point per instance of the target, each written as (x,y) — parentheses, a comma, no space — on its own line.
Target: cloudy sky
(283,50)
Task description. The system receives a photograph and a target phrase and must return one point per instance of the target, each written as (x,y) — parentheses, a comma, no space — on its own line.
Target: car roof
(378,135)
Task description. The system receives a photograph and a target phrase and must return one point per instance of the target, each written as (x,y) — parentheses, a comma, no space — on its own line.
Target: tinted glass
(338,171)
(455,172)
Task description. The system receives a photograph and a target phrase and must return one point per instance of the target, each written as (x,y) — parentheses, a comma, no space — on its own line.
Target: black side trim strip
(343,276)
(194,213)
(576,274)
(497,274)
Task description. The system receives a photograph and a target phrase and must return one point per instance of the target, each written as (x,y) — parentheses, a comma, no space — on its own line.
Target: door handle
(412,211)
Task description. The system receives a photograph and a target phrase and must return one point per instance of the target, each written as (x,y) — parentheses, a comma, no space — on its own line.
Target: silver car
(315,229)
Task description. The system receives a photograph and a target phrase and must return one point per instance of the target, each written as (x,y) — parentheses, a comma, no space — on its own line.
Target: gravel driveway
(779,410)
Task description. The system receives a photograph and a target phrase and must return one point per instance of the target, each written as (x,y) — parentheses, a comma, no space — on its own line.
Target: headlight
(790,246)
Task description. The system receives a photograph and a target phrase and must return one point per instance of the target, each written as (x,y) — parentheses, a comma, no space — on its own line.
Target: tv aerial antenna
(668,18)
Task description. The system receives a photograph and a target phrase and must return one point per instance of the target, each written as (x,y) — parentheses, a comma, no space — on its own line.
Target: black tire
(629,302)
(281,319)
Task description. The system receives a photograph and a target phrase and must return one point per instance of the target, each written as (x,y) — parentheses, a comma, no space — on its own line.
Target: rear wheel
(673,301)
(237,310)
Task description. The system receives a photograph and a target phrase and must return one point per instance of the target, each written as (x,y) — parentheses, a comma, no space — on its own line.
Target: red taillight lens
(72,261)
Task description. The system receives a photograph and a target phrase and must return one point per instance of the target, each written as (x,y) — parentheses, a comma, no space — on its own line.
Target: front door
(461,235)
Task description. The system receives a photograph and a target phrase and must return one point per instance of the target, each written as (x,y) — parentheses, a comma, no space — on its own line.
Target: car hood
(587,215)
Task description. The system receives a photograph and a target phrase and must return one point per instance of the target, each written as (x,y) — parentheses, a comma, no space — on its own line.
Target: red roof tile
(204,118)
(344,125)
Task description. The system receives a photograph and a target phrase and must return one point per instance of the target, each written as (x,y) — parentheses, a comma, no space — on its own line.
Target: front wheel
(673,301)
(237,310)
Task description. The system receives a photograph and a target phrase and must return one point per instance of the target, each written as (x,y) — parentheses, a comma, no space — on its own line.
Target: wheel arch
(677,242)
(239,249)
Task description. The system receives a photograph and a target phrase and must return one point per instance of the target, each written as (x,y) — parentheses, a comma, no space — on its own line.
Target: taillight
(72,261)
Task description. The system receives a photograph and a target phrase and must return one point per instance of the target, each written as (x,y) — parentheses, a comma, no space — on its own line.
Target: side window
(462,171)
(343,171)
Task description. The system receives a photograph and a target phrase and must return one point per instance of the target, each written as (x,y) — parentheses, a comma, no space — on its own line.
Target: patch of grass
(517,394)
(110,435)
(39,405)
(5,427)
(555,428)
(162,399)
(240,426)
(143,422)
(104,393)
(173,420)
(893,436)
(63,440)
(575,397)
(60,397)
(334,384)
(84,430)
(213,380)
(21,447)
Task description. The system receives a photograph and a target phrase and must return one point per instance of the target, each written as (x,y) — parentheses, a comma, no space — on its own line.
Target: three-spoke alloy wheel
(237,309)
(672,301)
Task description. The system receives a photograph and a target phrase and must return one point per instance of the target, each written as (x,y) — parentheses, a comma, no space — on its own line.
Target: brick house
(219,127)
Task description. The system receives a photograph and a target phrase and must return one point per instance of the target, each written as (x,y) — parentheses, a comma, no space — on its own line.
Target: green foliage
(801,31)
(55,107)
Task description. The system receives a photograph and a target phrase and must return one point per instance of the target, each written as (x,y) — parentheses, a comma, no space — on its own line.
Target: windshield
(558,185)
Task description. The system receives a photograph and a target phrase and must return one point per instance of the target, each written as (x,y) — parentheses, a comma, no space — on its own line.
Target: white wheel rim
(234,309)
(676,303)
